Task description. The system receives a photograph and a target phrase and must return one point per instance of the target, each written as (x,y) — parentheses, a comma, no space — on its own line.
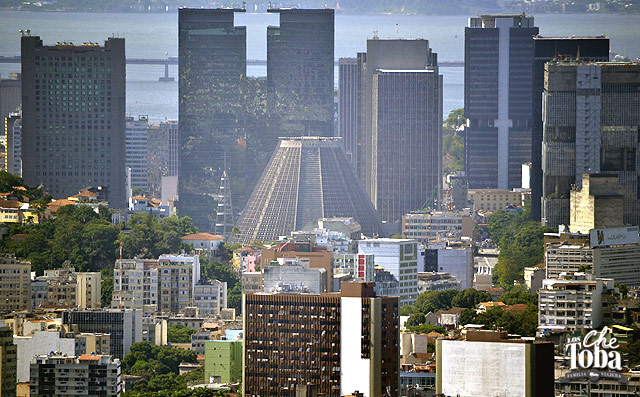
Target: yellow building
(88,290)
(496,199)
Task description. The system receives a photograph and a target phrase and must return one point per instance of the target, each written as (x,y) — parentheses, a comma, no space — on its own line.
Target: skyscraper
(212,53)
(307,178)
(498,74)
(338,343)
(351,111)
(407,140)
(300,68)
(162,155)
(390,112)
(136,150)
(547,49)
(73,116)
(590,119)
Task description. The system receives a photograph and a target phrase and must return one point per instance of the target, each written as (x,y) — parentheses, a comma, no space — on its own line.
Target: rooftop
(203,236)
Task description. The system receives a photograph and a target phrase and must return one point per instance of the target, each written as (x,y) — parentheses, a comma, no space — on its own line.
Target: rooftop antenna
(375,35)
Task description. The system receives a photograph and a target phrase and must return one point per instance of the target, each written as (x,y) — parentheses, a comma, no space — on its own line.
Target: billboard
(615,236)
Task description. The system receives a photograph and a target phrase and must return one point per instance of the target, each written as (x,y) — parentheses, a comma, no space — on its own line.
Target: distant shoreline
(339,12)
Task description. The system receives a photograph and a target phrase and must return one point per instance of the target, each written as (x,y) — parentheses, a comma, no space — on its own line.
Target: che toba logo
(594,351)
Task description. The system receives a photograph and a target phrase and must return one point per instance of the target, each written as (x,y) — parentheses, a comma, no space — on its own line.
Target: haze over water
(154,35)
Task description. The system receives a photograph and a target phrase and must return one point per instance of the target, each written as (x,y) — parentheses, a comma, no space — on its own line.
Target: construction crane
(429,204)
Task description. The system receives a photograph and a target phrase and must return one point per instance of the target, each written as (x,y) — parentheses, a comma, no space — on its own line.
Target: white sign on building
(614,236)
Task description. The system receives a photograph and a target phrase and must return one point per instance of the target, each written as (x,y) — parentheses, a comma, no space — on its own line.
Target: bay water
(154,35)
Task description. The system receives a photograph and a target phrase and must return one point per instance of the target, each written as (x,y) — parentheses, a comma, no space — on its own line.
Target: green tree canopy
(180,334)
(469,298)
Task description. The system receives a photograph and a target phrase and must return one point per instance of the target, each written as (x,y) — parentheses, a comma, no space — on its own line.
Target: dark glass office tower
(351,114)
(212,63)
(407,140)
(73,116)
(547,49)
(300,74)
(497,99)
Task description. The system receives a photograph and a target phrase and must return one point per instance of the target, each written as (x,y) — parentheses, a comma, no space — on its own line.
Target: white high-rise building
(136,150)
(400,258)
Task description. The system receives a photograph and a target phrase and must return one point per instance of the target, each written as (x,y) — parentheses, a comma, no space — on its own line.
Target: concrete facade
(8,363)
(400,258)
(15,284)
(424,227)
(98,107)
(590,127)
(463,366)
(572,303)
(41,342)
(294,275)
(88,290)
(54,374)
(222,361)
(597,204)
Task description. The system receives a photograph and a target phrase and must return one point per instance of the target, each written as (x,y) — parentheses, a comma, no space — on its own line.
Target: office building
(223,361)
(294,275)
(406,168)
(590,127)
(572,302)
(212,53)
(300,68)
(488,363)
(10,94)
(498,102)
(307,179)
(8,363)
(88,290)
(124,326)
(210,297)
(400,258)
(606,253)
(316,256)
(162,156)
(549,49)
(57,374)
(496,199)
(435,224)
(13,143)
(136,150)
(351,110)
(455,258)
(73,116)
(350,342)
(15,284)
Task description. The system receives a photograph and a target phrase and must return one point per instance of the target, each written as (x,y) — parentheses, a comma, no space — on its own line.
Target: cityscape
(319,199)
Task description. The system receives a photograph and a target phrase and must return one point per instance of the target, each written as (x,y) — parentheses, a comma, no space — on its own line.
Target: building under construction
(590,119)
(307,178)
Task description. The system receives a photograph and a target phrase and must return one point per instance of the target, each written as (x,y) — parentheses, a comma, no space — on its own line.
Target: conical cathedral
(307,178)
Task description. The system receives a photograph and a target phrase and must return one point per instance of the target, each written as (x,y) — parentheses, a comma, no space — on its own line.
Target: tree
(106,286)
(160,359)
(469,298)
(426,328)
(518,295)
(432,301)
(415,319)
(180,334)
(467,316)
